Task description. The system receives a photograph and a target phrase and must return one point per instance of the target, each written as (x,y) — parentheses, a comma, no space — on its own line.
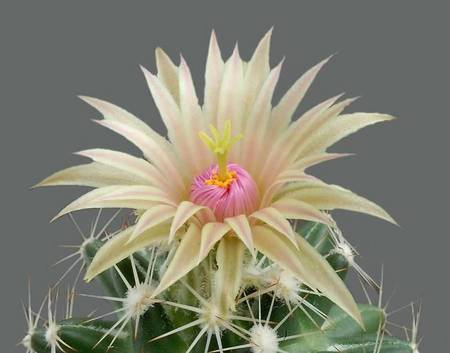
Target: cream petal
(256,127)
(211,234)
(151,218)
(184,260)
(96,199)
(241,227)
(112,112)
(283,112)
(309,128)
(229,258)
(200,156)
(307,265)
(275,219)
(213,80)
(339,128)
(185,210)
(119,247)
(296,209)
(139,192)
(171,116)
(163,158)
(93,175)
(277,186)
(256,72)
(167,73)
(312,160)
(281,151)
(123,161)
(230,100)
(330,197)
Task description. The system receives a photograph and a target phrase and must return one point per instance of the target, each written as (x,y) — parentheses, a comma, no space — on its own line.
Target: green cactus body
(301,330)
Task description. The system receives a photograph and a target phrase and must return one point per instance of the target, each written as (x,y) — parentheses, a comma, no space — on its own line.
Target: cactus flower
(230,176)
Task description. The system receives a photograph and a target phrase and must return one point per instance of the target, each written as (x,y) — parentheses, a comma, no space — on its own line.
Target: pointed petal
(211,234)
(159,153)
(281,152)
(330,197)
(123,161)
(241,227)
(167,72)
(112,112)
(296,209)
(230,101)
(230,255)
(118,248)
(276,220)
(341,127)
(258,122)
(307,265)
(185,210)
(151,218)
(184,260)
(139,192)
(257,71)
(115,196)
(283,112)
(309,161)
(213,80)
(91,174)
(194,120)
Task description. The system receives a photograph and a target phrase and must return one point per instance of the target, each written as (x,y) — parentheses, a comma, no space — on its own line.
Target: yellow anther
(216,181)
(220,145)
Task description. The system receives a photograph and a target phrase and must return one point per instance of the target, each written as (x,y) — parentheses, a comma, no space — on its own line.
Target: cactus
(230,247)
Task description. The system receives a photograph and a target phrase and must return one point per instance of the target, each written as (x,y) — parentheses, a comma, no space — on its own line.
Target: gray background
(394,54)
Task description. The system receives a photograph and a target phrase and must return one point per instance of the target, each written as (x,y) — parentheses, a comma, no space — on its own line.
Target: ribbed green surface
(339,333)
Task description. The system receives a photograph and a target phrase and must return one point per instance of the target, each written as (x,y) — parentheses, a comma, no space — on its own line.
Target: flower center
(226,188)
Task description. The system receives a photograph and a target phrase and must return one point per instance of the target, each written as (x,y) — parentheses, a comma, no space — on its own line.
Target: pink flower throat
(237,194)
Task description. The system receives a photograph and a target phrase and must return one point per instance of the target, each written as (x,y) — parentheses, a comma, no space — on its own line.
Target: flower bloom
(234,190)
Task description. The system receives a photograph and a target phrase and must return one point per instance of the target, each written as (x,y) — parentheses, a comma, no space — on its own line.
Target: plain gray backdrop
(395,54)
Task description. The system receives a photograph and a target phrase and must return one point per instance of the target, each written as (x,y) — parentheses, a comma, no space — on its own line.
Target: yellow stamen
(220,146)
(216,181)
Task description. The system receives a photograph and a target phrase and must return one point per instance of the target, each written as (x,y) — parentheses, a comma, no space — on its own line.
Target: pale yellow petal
(167,72)
(307,265)
(241,227)
(312,160)
(184,260)
(282,113)
(257,124)
(194,122)
(112,112)
(330,197)
(275,219)
(230,101)
(211,234)
(139,167)
(341,127)
(296,209)
(185,210)
(96,199)
(229,257)
(118,248)
(158,153)
(93,175)
(153,217)
(256,72)
(213,80)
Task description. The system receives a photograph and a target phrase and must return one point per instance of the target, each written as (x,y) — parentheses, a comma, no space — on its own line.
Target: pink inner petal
(240,197)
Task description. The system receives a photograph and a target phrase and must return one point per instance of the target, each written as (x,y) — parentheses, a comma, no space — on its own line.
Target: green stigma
(220,145)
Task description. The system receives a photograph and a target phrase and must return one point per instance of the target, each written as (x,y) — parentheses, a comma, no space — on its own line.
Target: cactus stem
(78,254)
(51,332)
(345,249)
